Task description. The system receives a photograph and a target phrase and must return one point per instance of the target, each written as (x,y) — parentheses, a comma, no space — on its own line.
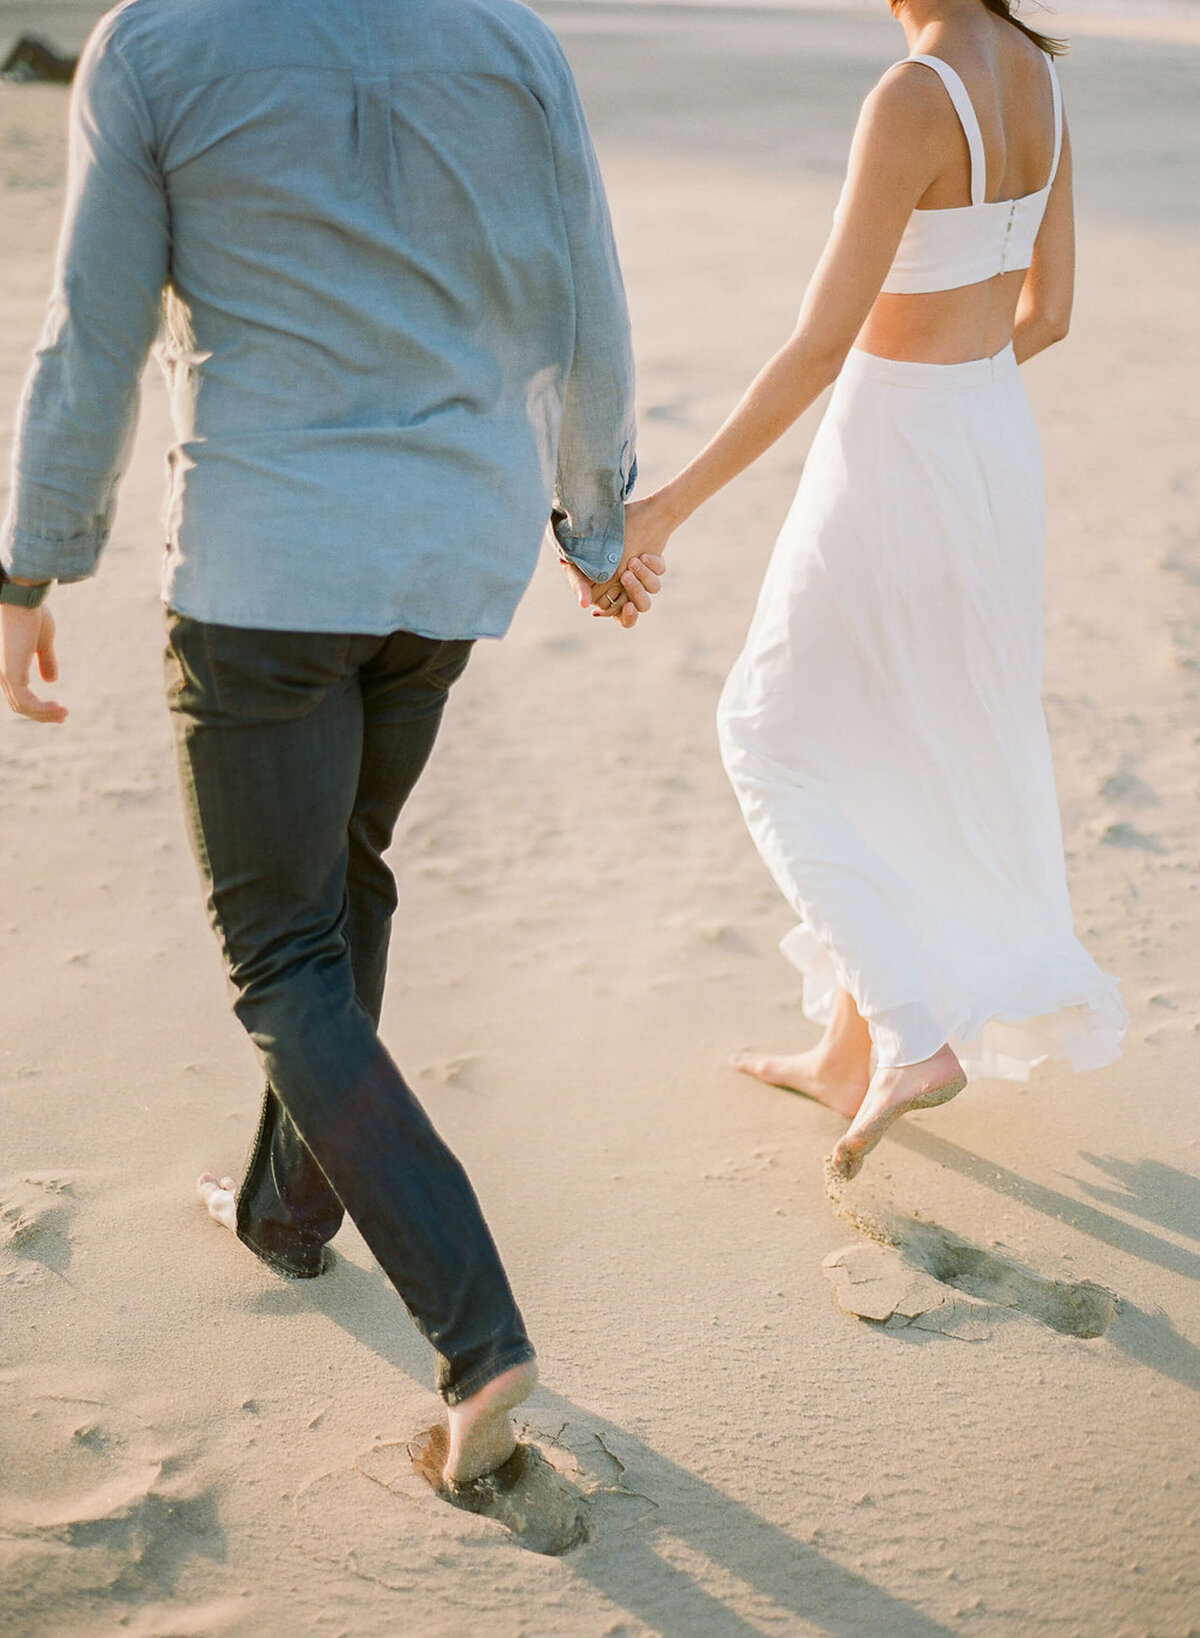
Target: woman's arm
(1044,308)
(898,147)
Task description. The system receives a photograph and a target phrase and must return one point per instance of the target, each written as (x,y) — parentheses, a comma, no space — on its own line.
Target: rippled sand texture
(980,1418)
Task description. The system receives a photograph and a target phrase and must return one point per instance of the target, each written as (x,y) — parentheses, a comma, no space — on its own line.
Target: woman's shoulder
(908,103)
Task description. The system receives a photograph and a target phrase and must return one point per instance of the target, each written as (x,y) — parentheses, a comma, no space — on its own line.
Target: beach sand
(190,1446)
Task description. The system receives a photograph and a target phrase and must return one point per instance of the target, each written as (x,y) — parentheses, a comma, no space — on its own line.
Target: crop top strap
(1056,90)
(965,110)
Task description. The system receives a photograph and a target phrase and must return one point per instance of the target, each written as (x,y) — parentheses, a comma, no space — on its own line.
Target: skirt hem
(1085,1030)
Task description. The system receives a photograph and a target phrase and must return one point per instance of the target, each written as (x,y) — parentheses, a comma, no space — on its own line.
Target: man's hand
(579,583)
(25,633)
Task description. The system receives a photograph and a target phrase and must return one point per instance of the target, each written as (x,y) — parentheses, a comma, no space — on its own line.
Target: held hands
(638,579)
(24,634)
(623,597)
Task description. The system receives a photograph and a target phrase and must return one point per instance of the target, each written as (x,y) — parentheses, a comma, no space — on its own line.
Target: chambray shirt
(372,239)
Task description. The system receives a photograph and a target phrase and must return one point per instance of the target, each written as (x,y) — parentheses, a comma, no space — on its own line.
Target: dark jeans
(297,751)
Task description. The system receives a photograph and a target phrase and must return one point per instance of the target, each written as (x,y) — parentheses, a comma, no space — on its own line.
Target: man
(396,339)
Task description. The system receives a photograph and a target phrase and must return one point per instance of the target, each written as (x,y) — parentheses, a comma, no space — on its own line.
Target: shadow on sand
(686,1515)
(691,1532)
(1149,1189)
(1100,1225)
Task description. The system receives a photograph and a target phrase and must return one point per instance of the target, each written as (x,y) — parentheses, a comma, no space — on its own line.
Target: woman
(883,726)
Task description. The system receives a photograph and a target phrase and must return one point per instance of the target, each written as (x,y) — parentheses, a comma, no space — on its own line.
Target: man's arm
(78,410)
(596,451)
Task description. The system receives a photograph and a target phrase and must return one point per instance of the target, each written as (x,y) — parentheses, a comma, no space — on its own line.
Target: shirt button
(614,557)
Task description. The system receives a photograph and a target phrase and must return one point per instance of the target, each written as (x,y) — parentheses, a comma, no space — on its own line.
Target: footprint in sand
(35,1217)
(1119,833)
(93,1508)
(907,1274)
(564,1491)
(1125,788)
(525,1495)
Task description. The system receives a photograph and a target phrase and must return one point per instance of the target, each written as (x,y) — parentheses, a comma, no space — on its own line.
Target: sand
(189,1445)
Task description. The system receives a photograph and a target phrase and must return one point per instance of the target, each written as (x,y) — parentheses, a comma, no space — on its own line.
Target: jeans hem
(310,1270)
(483,1374)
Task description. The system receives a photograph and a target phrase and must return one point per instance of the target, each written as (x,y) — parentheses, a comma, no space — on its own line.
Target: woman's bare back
(1006,79)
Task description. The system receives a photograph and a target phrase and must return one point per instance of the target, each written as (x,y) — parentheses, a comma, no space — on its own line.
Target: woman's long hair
(1051,46)
(1003,8)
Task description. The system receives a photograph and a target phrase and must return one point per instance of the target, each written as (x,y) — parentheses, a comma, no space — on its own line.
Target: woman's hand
(629,591)
(647,527)
(639,577)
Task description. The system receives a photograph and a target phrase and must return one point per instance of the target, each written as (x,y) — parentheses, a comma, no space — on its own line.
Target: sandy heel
(939,1094)
(845,1171)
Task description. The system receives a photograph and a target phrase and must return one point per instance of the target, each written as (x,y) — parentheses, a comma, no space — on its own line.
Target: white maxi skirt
(884,732)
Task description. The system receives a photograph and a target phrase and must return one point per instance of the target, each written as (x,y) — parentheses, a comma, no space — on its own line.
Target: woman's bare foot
(837,1071)
(839,1084)
(481,1435)
(892,1093)
(219,1199)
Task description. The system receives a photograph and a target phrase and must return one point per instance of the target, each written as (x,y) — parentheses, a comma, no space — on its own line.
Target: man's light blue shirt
(392,319)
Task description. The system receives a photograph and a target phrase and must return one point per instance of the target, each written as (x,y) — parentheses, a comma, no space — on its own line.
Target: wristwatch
(25,597)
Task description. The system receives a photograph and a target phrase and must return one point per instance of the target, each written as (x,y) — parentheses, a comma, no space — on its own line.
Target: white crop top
(965,244)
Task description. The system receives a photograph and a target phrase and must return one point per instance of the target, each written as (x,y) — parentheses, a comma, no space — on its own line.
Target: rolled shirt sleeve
(596,452)
(79,407)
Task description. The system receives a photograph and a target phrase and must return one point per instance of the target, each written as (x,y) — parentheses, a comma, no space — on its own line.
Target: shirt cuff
(598,551)
(42,557)
(597,554)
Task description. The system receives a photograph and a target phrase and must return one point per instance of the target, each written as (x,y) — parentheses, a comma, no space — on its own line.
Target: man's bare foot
(525,1494)
(839,1083)
(892,1093)
(219,1199)
(481,1435)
